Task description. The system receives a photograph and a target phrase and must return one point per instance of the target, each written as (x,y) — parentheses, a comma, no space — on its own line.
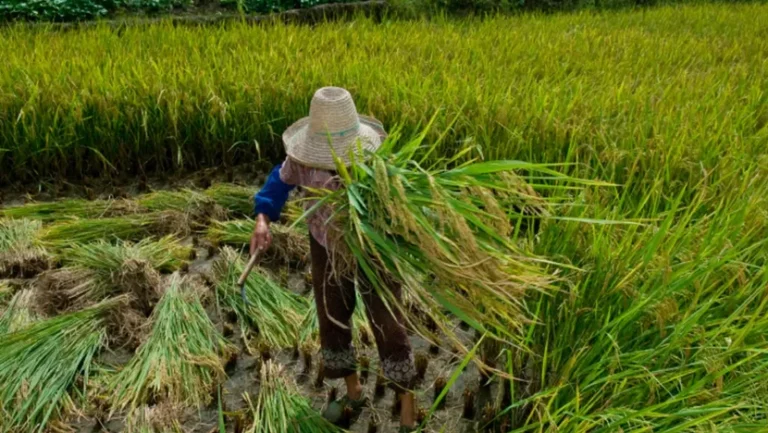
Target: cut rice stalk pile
(132,228)
(280,407)
(180,360)
(6,292)
(443,230)
(197,206)
(234,198)
(289,245)
(19,256)
(40,364)
(101,269)
(274,312)
(20,312)
(71,208)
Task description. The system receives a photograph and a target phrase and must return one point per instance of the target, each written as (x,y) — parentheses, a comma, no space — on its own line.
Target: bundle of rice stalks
(289,245)
(19,256)
(6,291)
(443,230)
(197,206)
(234,198)
(20,312)
(101,269)
(180,360)
(280,407)
(71,208)
(39,366)
(131,227)
(272,311)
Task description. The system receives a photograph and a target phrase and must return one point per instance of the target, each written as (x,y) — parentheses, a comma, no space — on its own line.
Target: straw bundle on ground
(234,198)
(19,313)
(443,230)
(280,407)
(19,256)
(197,206)
(289,245)
(131,227)
(274,312)
(70,208)
(40,364)
(180,360)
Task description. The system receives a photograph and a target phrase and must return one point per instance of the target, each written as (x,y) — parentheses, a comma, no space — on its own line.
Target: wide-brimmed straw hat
(333,123)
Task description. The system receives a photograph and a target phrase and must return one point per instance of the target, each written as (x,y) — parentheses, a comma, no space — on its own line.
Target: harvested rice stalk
(131,228)
(166,254)
(19,256)
(280,407)
(6,292)
(234,198)
(71,208)
(199,207)
(443,231)
(20,312)
(289,245)
(273,311)
(39,366)
(180,361)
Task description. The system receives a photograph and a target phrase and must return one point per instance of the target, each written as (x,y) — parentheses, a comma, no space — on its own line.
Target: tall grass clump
(20,256)
(40,366)
(273,312)
(180,360)
(280,406)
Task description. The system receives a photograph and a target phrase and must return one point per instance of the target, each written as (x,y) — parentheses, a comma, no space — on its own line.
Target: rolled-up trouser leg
(335,302)
(388,328)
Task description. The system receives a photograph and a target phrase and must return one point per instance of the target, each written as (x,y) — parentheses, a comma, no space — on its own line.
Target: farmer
(333,121)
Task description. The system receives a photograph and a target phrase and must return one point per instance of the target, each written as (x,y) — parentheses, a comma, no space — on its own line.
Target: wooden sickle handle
(248,268)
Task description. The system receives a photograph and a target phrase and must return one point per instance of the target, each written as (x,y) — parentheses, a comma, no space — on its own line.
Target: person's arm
(268,203)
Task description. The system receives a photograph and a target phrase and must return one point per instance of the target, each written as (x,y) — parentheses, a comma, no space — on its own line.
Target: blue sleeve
(272,196)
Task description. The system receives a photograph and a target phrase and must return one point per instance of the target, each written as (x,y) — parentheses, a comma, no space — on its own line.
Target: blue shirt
(272,196)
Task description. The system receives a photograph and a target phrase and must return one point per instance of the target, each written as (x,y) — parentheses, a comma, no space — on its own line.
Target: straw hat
(333,123)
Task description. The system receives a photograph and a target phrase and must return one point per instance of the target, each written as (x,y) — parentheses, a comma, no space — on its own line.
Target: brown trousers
(335,298)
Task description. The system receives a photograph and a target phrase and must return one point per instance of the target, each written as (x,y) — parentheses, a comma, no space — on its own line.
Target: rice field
(655,313)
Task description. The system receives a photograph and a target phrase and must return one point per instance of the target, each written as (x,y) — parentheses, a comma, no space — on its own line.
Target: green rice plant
(234,198)
(199,207)
(40,366)
(130,228)
(280,406)
(71,208)
(180,360)
(272,311)
(6,292)
(19,256)
(19,313)
(289,244)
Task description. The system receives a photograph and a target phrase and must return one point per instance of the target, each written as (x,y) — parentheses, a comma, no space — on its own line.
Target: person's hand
(261,238)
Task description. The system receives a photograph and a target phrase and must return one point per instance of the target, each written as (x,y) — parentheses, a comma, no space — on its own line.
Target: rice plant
(19,313)
(289,244)
(280,407)
(131,228)
(272,311)
(166,254)
(180,360)
(19,255)
(40,366)
(198,206)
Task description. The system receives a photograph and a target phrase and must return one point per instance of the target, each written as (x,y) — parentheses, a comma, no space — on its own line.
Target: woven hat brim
(316,152)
